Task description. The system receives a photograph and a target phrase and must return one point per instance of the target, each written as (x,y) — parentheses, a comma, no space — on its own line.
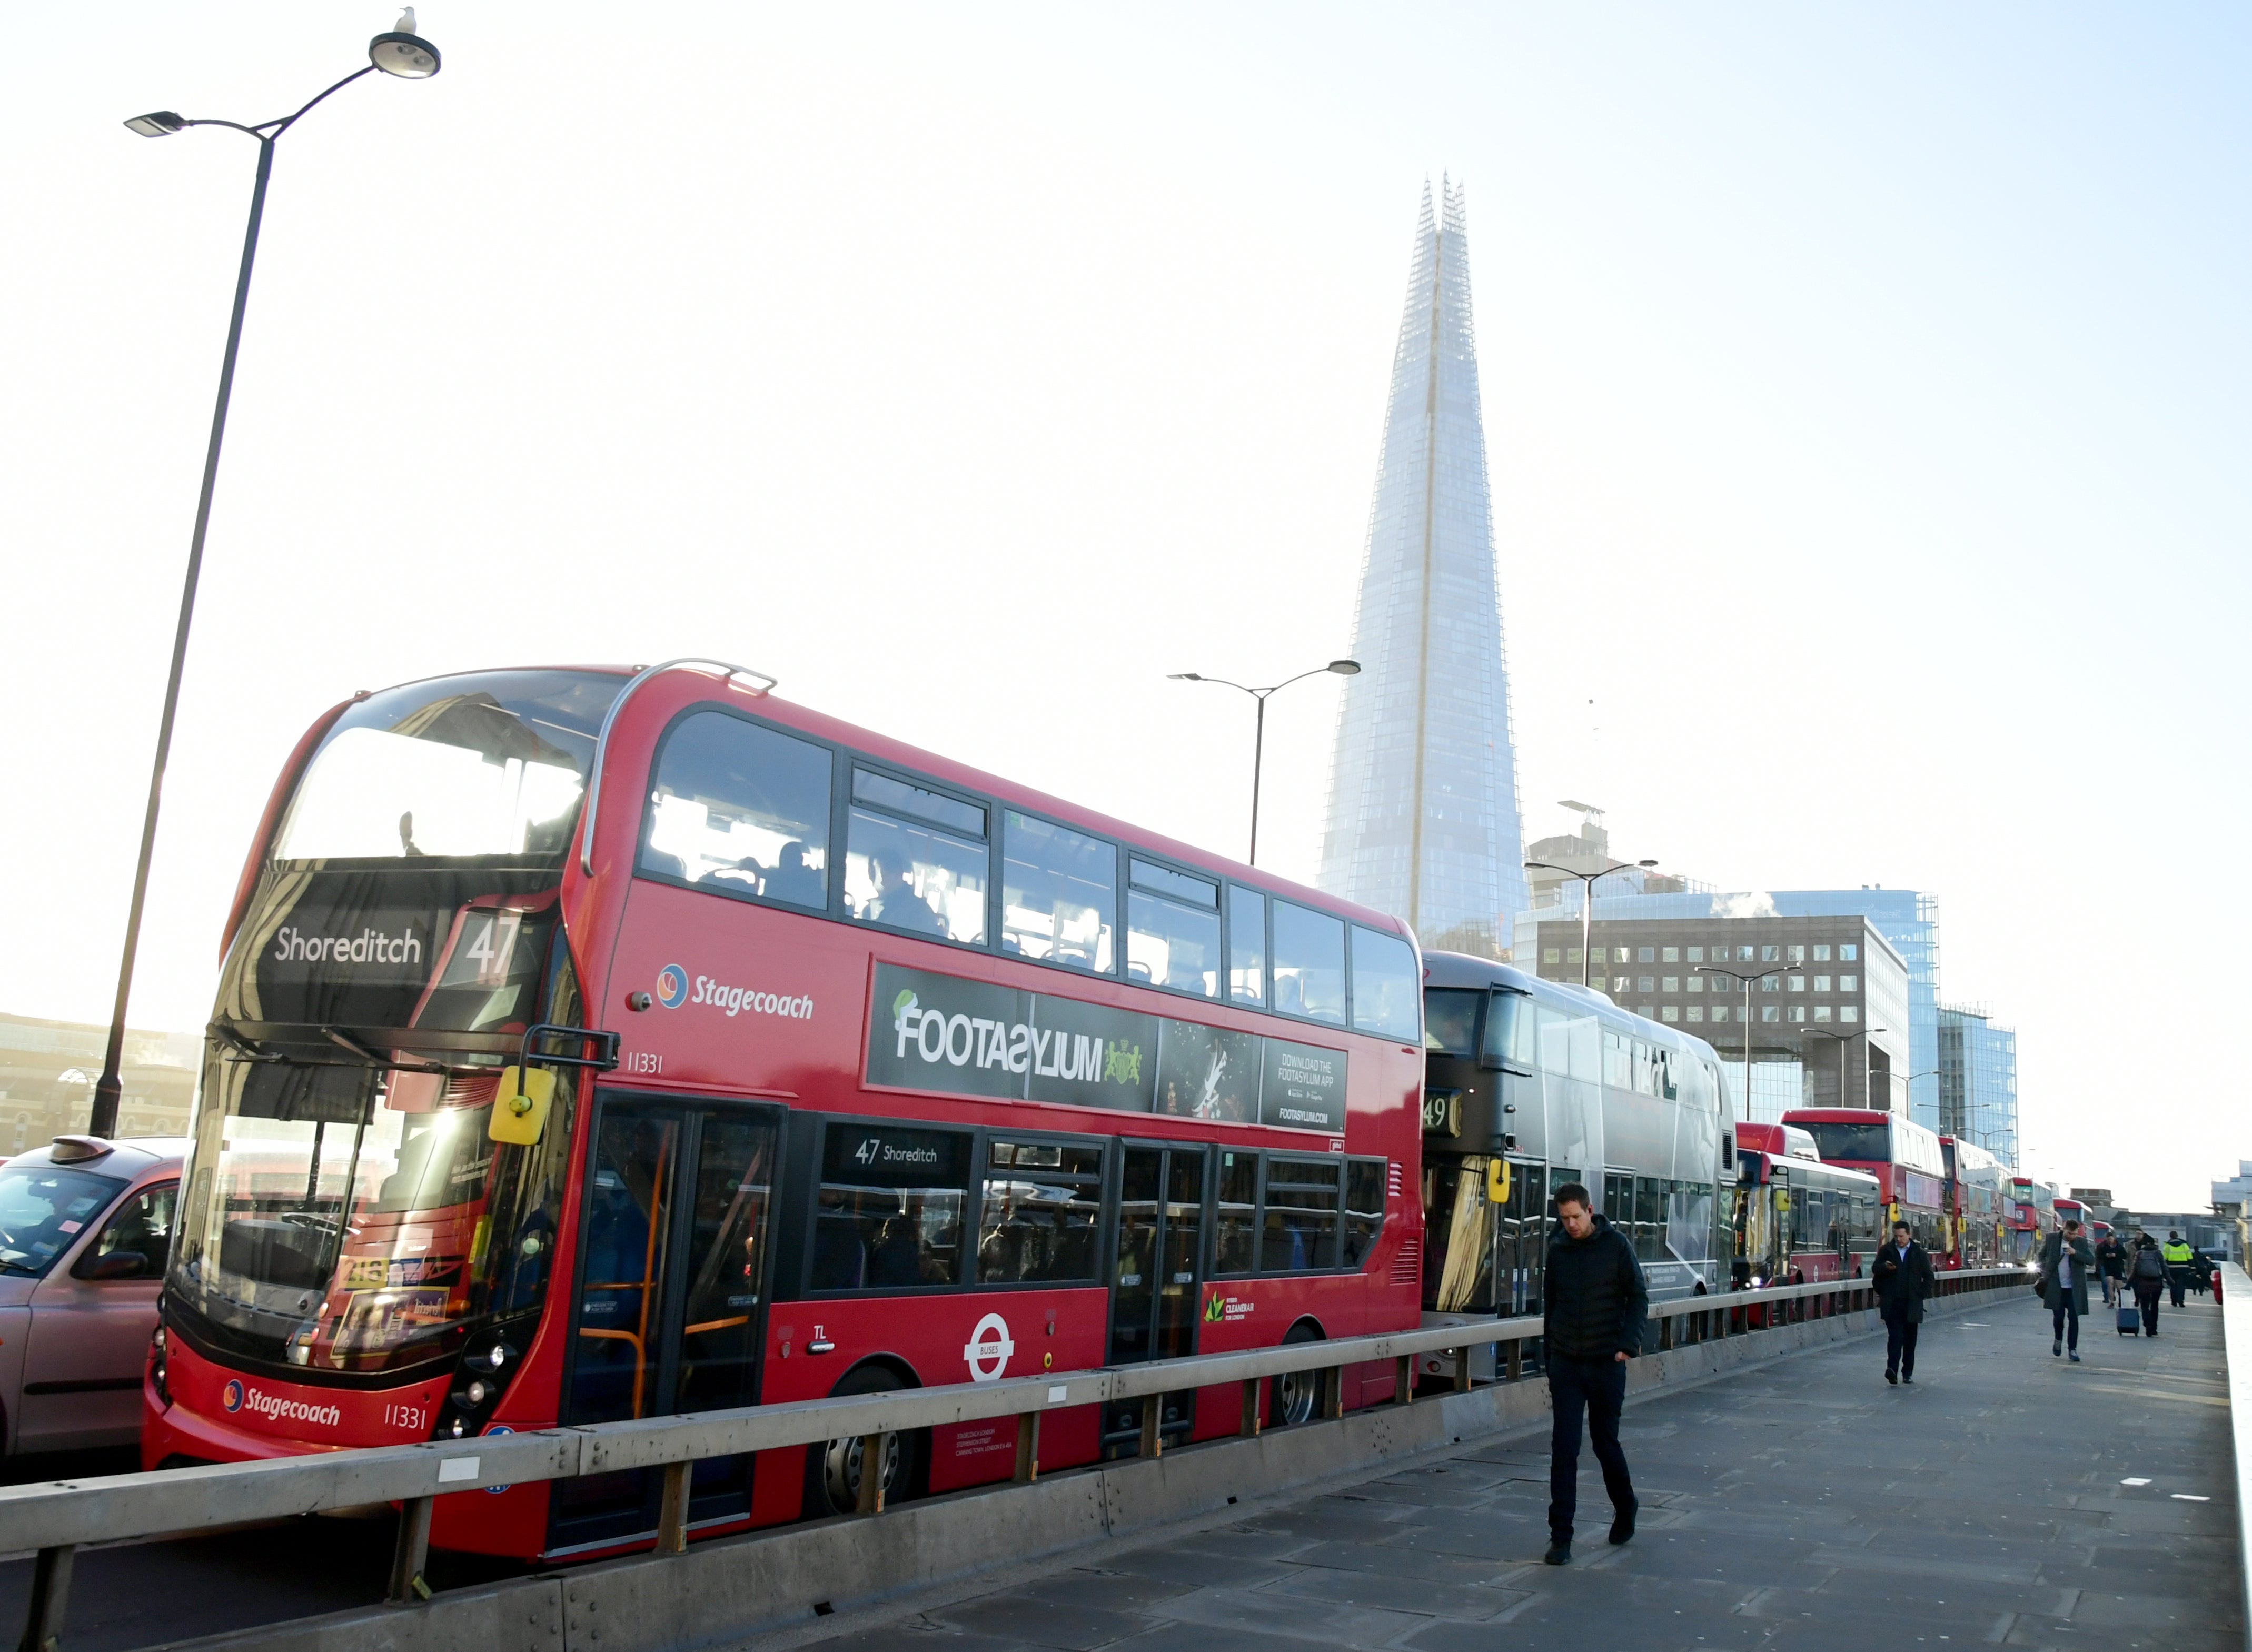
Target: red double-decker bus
(2033,1218)
(593,1044)
(1978,1205)
(1904,1157)
(1797,1219)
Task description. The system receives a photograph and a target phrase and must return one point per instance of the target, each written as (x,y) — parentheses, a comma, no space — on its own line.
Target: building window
(1768,953)
(1621,983)
(1798,1012)
(1552,956)
(1821,983)
(1771,1012)
(1646,985)
(1849,953)
(1719,1012)
(1671,1012)
(1822,1012)
(1696,1012)
(1672,984)
(1673,955)
(1696,954)
(1573,955)
(1849,1012)
(1643,956)
(1797,956)
(1849,983)
(1798,983)
(1769,984)
(1696,983)
(1744,954)
(1821,954)
(1648,1012)
(1597,956)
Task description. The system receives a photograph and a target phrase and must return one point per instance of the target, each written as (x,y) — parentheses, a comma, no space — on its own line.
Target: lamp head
(403,53)
(1645,862)
(1185,676)
(1345,668)
(163,123)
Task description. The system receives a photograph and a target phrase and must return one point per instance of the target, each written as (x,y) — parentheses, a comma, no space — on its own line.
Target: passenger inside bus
(895,903)
(795,881)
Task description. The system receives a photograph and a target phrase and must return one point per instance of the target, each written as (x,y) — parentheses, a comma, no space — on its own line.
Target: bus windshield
(1870,1143)
(463,766)
(349,1219)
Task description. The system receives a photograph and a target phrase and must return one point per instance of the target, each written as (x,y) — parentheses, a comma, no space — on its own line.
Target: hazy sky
(1864,386)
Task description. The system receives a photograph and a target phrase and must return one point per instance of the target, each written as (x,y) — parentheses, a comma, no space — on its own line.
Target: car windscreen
(43,1210)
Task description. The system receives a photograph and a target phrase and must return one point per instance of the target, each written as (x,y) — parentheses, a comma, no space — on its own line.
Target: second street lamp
(1588,897)
(1744,980)
(405,55)
(1339,667)
(1841,1039)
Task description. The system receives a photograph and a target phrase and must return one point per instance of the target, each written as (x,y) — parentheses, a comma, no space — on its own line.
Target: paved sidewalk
(1802,1505)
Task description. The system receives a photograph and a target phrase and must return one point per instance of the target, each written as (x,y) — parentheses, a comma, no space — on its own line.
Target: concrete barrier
(2236,1343)
(719,1592)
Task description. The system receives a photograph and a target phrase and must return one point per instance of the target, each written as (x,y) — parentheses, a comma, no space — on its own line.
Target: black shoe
(1907,1378)
(1621,1529)
(1893,1377)
(1560,1552)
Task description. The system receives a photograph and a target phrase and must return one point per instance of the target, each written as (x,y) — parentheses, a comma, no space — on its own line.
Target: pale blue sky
(1863,389)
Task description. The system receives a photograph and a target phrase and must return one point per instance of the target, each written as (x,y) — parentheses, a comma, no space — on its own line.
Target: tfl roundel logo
(231,1396)
(672,986)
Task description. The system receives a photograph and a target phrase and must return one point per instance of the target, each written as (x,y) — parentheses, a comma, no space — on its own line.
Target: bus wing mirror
(519,1110)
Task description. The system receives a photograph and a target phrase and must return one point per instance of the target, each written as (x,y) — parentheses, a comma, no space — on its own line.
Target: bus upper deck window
(1058,893)
(915,859)
(1384,996)
(1173,929)
(741,808)
(1451,1021)
(1309,963)
(1247,945)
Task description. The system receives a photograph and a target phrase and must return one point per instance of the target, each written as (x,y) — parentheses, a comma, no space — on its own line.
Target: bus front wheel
(834,1471)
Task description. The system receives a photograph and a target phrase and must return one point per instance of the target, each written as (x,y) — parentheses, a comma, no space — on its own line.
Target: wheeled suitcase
(2131,1317)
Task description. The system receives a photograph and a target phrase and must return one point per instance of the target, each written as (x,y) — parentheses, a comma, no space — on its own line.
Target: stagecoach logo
(672,986)
(274,1408)
(231,1396)
(989,1343)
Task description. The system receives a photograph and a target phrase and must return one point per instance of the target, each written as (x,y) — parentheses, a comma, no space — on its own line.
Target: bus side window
(1059,894)
(890,1208)
(1247,945)
(1364,1210)
(1299,1231)
(915,859)
(1236,1227)
(1309,963)
(1042,1210)
(741,808)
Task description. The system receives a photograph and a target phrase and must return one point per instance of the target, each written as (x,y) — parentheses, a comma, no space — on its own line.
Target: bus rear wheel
(834,1472)
(1291,1398)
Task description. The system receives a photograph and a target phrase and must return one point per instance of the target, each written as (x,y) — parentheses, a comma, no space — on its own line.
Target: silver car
(85,1229)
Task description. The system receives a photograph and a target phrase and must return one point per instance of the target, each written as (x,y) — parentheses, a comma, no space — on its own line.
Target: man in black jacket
(1593,1304)
(1902,1276)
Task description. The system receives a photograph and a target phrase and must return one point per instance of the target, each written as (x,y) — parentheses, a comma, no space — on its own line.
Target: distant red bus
(1904,1157)
(1978,1205)
(1797,1219)
(2032,1206)
(594,1045)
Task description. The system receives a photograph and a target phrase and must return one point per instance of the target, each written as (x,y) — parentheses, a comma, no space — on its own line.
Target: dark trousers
(2058,1314)
(1899,1344)
(1596,1388)
(2176,1279)
(2146,1298)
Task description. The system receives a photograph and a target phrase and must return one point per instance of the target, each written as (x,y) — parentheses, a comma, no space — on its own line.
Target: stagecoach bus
(1978,1205)
(1904,1157)
(594,1044)
(1797,1219)
(1530,1084)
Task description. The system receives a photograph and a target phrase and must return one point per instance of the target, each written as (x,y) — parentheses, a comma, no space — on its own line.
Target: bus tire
(833,1471)
(1291,1398)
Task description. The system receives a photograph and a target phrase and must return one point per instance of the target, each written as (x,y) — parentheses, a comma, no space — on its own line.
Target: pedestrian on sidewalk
(2177,1256)
(1903,1278)
(2200,1270)
(2066,1261)
(2146,1275)
(1593,1302)
(2110,1266)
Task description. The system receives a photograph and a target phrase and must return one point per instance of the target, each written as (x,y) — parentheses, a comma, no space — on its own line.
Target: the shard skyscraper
(1423,815)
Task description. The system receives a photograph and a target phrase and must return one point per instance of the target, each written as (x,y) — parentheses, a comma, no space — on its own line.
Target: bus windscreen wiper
(248,1049)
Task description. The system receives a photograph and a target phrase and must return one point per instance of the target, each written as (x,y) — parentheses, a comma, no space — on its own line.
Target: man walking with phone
(1902,1277)
(1593,1302)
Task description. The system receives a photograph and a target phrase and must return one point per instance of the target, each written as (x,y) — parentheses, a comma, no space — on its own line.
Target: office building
(1826,1012)
(48,1068)
(1423,817)
(1978,1081)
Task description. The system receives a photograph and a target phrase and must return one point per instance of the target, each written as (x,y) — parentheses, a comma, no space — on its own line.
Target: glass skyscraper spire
(1423,817)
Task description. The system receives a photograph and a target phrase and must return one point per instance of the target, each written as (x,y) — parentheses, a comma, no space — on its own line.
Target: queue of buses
(594,1044)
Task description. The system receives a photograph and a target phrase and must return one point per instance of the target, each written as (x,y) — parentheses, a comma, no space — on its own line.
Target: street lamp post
(1341,668)
(1588,897)
(1841,1039)
(1745,981)
(401,52)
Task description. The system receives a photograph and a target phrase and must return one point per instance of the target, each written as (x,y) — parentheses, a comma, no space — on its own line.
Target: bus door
(1157,1278)
(1524,1242)
(672,1284)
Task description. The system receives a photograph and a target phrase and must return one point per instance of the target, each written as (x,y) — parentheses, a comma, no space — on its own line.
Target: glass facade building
(1423,817)
(1978,1081)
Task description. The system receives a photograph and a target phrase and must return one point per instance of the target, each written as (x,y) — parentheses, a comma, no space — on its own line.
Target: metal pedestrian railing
(58,1517)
